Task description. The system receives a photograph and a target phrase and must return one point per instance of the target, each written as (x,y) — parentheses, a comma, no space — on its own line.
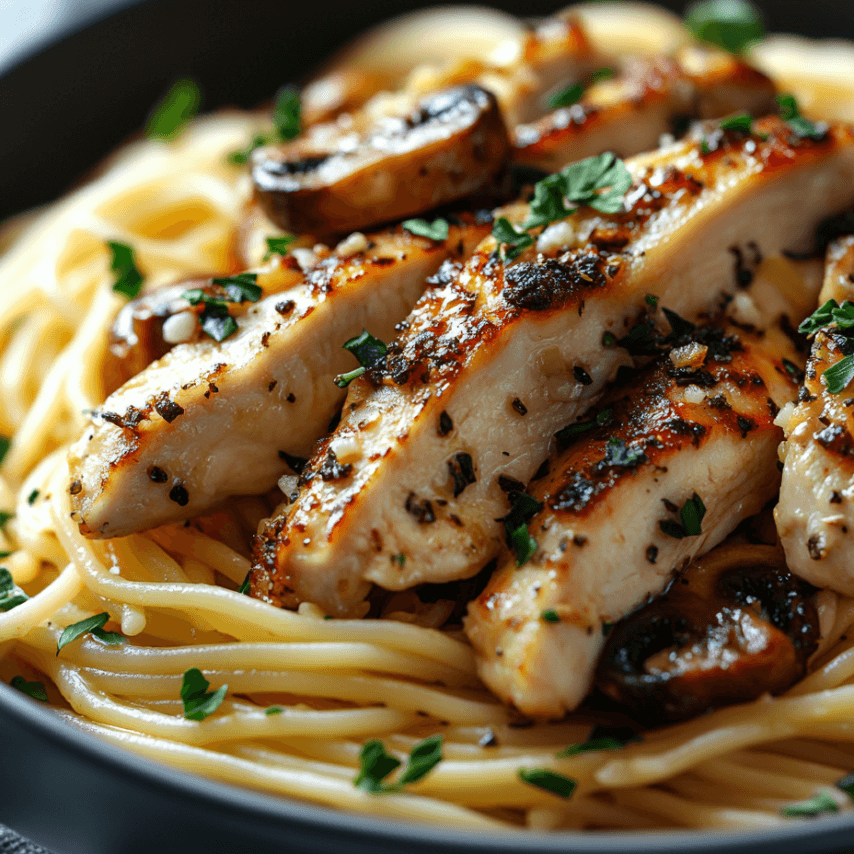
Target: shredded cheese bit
(306,258)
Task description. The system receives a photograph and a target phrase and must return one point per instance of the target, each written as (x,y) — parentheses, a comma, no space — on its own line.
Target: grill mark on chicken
(679,447)
(465,349)
(241,392)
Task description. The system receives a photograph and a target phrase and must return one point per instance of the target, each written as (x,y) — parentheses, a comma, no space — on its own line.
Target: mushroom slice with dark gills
(648,98)
(451,146)
(735,625)
(815,515)
(148,327)
(491,363)
(679,457)
(212,419)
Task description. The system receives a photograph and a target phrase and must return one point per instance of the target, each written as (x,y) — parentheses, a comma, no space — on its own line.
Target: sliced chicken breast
(209,419)
(649,98)
(497,357)
(613,527)
(815,515)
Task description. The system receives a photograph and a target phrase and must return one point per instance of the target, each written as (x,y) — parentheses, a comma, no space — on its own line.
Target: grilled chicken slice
(210,420)
(615,524)
(649,98)
(453,144)
(495,358)
(815,515)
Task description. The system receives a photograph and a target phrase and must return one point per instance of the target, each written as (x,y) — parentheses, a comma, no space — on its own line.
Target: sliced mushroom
(137,336)
(452,145)
(735,625)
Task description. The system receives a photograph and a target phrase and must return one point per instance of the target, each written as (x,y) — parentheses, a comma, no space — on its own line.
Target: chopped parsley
(399,559)
(841,316)
(4,447)
(5,516)
(572,430)
(436,230)
(32,689)
(287,124)
(516,526)
(368,350)
(820,803)
(375,765)
(730,24)
(606,743)
(837,377)
(578,184)
(512,242)
(215,318)
(92,625)
(244,587)
(691,514)
(198,702)
(791,114)
(241,157)
(33,497)
(278,245)
(550,616)
(846,784)
(10,596)
(273,710)
(128,279)
(566,97)
(742,122)
(287,113)
(174,110)
(603,74)
(551,781)
(651,300)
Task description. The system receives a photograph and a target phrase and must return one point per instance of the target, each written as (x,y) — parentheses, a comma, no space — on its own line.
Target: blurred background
(77,77)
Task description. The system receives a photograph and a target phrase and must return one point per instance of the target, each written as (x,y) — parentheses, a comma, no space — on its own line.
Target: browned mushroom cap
(454,144)
(735,625)
(136,337)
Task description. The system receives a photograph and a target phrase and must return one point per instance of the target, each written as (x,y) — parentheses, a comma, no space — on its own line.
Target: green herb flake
(830,314)
(584,179)
(217,322)
(516,522)
(651,300)
(278,245)
(820,803)
(368,350)
(604,74)
(618,454)
(4,447)
(547,206)
(287,113)
(198,702)
(691,516)
(174,110)
(566,97)
(91,625)
(791,114)
(240,288)
(550,781)
(572,430)
(32,689)
(273,710)
(399,559)
(846,784)
(376,765)
(592,745)
(742,122)
(550,616)
(436,230)
(837,377)
(10,596)
(730,24)
(244,587)
(128,279)
(241,157)
(5,516)
(512,242)
(33,497)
